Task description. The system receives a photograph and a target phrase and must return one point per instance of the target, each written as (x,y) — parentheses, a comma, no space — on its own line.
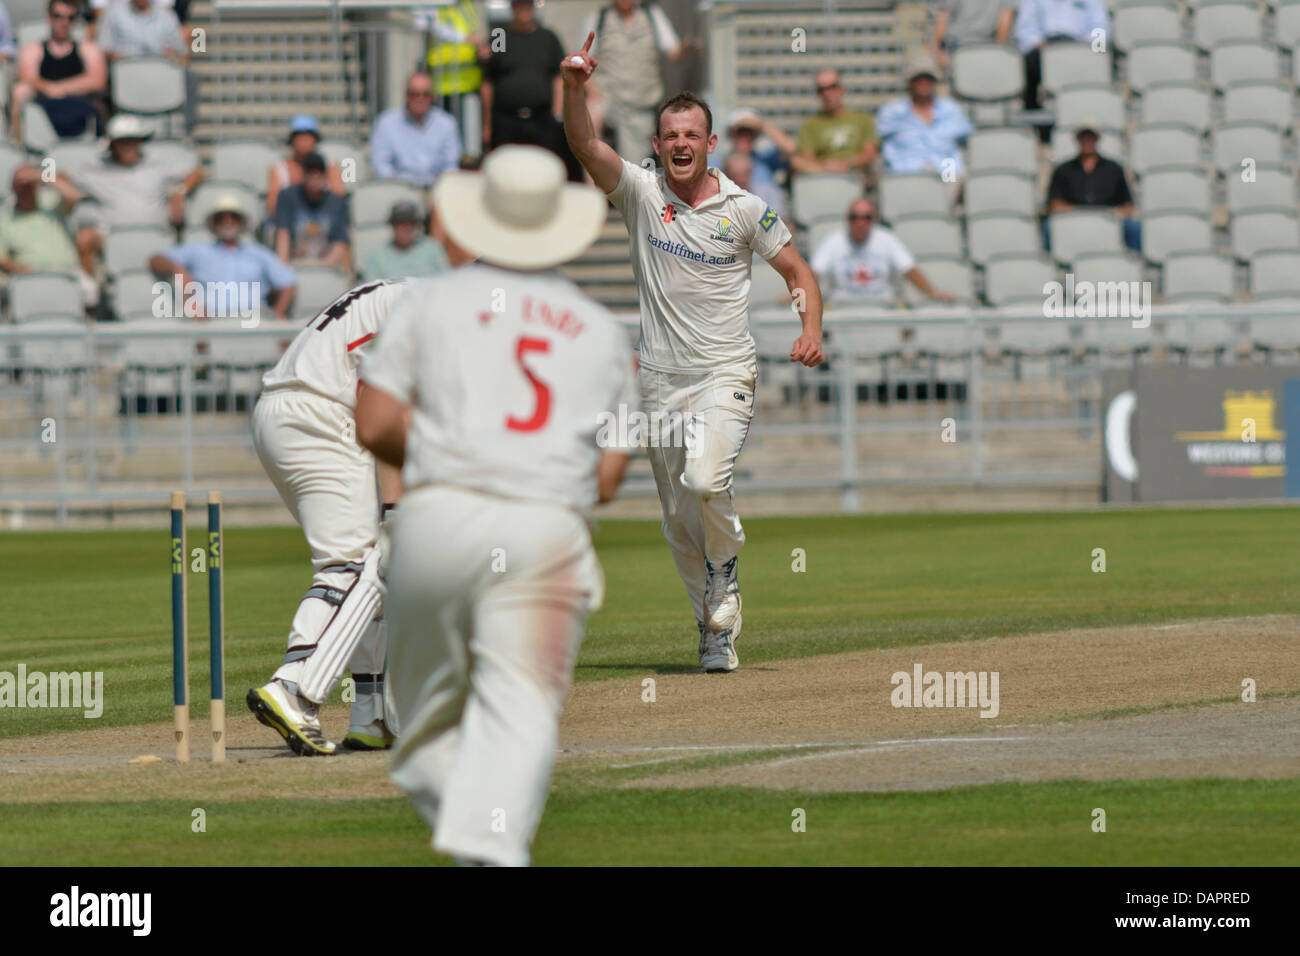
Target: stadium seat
(819,229)
(1066,64)
(1237,62)
(366,241)
(351,157)
(1275,272)
(1218,21)
(129,249)
(1017,280)
(179,153)
(1100,106)
(1161,62)
(1286,24)
(999,192)
(997,235)
(987,72)
(1258,101)
(1010,148)
(205,196)
(1065,145)
(1198,276)
(244,161)
(38,133)
(1165,233)
(1162,144)
(1276,333)
(318,286)
(910,194)
(1082,231)
(1108,267)
(54,354)
(812,196)
(167,350)
(1273,188)
(1135,23)
(372,201)
(148,85)
(71,156)
(44,295)
(926,236)
(767,289)
(1232,143)
(10,159)
(1267,229)
(1184,103)
(945,275)
(1169,188)
(133,295)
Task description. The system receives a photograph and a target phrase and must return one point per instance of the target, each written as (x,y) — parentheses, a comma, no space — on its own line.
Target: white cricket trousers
(487,601)
(307,444)
(694,476)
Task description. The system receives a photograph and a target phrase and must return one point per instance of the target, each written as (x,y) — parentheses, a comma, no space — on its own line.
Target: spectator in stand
(7,47)
(304,136)
(1040,22)
(863,263)
(630,36)
(921,130)
(739,168)
(958,22)
(769,148)
(417,142)
(260,278)
(35,239)
(409,253)
(142,28)
(311,223)
(66,78)
(1091,181)
(521,89)
(127,186)
(836,139)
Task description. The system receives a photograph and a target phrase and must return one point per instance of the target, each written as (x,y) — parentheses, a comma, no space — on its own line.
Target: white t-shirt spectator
(861,273)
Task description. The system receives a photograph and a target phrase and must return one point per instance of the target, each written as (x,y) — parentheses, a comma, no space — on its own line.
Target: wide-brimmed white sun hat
(519,212)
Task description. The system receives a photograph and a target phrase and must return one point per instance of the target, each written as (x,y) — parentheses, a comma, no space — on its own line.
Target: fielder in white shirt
(506,371)
(305,435)
(693,234)
(863,263)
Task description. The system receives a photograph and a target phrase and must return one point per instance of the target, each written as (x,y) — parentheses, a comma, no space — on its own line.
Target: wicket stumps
(181,629)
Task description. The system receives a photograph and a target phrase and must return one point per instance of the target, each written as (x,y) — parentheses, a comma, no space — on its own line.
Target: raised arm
(603,164)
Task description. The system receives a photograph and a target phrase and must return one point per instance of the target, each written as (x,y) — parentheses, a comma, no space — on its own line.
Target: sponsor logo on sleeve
(769,219)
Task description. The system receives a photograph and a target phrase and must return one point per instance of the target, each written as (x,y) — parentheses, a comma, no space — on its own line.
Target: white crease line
(1214,620)
(853,747)
(890,743)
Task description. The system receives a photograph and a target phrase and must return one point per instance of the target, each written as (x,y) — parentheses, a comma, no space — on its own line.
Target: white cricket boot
(722,599)
(718,649)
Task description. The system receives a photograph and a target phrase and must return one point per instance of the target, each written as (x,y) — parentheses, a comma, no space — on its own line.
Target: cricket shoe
(294,718)
(718,649)
(722,599)
(373,736)
(368,728)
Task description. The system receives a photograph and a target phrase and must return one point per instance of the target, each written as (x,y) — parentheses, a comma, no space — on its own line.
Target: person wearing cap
(923,131)
(765,144)
(127,186)
(1040,22)
(409,253)
(1091,181)
(499,389)
(417,142)
(259,277)
(630,36)
(958,22)
(66,77)
(142,28)
(304,137)
(835,139)
(311,223)
(863,263)
(34,236)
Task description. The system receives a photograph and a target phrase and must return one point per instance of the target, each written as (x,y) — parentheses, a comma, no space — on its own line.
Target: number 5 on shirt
(542,391)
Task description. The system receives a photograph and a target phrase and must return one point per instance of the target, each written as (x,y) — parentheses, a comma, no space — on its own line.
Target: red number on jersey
(542,410)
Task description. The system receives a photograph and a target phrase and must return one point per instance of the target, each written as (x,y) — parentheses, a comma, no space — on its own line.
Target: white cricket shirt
(692,268)
(326,355)
(861,273)
(510,376)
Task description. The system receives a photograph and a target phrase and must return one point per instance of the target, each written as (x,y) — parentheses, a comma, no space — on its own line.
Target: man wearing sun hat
(509,376)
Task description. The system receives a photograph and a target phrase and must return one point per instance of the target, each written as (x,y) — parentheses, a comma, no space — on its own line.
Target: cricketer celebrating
(305,436)
(693,233)
(504,370)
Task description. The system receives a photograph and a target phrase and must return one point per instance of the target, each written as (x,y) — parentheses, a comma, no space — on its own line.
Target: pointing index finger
(586,47)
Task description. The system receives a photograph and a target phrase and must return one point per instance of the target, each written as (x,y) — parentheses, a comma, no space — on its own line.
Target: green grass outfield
(100,601)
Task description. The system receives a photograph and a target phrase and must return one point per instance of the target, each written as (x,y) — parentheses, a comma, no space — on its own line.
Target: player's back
(512,372)
(326,355)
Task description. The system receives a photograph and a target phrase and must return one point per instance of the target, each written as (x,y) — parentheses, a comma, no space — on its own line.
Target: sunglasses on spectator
(62,16)
(420,93)
(864,216)
(828,87)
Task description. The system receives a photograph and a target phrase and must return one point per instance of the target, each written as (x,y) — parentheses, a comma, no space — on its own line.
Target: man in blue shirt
(237,277)
(1039,22)
(416,142)
(923,131)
